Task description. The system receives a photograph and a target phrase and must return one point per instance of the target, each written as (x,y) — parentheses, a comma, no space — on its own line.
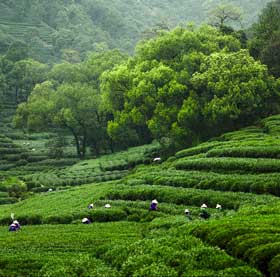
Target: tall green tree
(187,86)
(23,77)
(146,93)
(71,100)
(265,44)
(73,107)
(17,51)
(65,73)
(231,90)
(225,14)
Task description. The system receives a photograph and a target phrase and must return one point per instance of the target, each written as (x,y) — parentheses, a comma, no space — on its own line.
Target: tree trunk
(80,142)
(16,95)
(111,143)
(78,147)
(84,143)
(95,148)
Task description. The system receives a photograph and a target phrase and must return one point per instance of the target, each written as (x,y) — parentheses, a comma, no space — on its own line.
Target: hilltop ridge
(51,29)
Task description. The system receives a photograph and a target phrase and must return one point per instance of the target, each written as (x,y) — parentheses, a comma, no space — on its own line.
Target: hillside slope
(239,171)
(51,28)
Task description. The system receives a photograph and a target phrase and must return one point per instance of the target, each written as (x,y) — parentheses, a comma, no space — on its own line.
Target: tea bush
(46,172)
(173,255)
(230,164)
(62,249)
(193,197)
(254,238)
(240,240)
(246,152)
(254,183)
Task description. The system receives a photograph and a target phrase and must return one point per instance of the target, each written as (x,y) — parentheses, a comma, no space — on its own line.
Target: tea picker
(218,207)
(157,160)
(85,220)
(204,214)
(15,226)
(188,214)
(153,206)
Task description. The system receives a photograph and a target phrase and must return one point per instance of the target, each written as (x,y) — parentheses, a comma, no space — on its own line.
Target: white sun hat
(90,205)
(107,206)
(218,206)
(154,201)
(187,211)
(203,206)
(84,220)
(157,159)
(50,190)
(15,222)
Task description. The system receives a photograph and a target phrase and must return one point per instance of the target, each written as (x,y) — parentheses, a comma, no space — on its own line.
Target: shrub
(30,219)
(15,187)
(8,200)
(244,271)
(155,270)
(246,152)
(21,163)
(6,166)
(254,239)
(13,150)
(40,189)
(13,157)
(35,158)
(203,148)
(117,254)
(61,219)
(230,164)
(106,215)
(274,266)
(200,273)
(262,255)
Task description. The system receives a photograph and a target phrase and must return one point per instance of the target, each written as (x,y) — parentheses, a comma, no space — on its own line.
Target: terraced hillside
(107,167)
(39,173)
(22,153)
(28,158)
(49,29)
(37,35)
(245,161)
(239,171)
(155,250)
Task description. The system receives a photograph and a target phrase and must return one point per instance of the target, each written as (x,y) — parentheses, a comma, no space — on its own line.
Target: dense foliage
(253,237)
(265,43)
(246,160)
(130,240)
(113,249)
(70,99)
(181,87)
(67,29)
(187,86)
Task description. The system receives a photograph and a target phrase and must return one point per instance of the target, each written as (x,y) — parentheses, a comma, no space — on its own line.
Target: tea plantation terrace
(162,249)
(241,239)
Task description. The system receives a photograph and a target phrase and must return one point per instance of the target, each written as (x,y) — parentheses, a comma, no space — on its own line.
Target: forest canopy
(180,88)
(67,30)
(187,86)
